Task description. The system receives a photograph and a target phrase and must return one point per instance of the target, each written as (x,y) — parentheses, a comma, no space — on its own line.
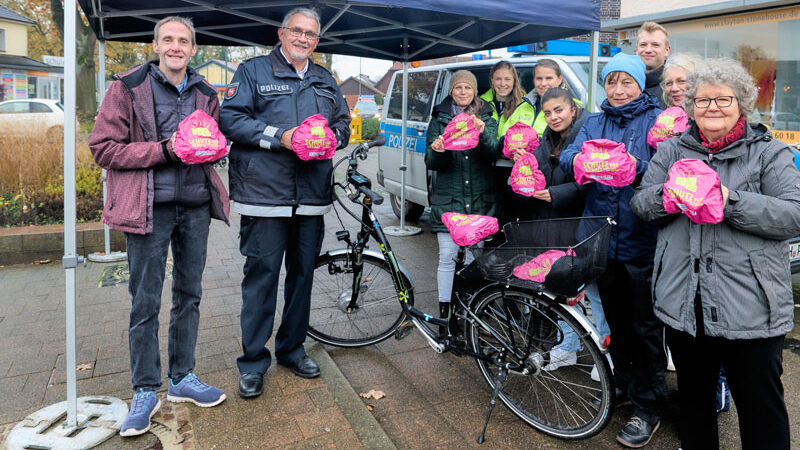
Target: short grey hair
(308,12)
(182,20)
(722,72)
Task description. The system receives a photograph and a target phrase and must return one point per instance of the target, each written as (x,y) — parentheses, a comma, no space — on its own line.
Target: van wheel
(413,210)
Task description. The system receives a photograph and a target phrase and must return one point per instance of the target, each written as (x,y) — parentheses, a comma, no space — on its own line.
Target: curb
(366,427)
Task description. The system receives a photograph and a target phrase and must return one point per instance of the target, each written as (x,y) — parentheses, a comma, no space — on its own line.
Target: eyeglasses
(722,101)
(297,32)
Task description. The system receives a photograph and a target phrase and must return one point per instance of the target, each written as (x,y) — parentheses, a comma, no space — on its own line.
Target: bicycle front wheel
(547,387)
(377,313)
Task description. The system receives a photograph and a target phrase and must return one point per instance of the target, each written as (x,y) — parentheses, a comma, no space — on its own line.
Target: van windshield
(581,70)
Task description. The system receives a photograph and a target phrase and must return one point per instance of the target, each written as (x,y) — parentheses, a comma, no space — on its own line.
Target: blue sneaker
(143,405)
(190,389)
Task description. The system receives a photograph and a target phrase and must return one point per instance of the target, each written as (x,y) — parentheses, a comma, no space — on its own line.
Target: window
(420,96)
(2,39)
(14,108)
(765,42)
(40,108)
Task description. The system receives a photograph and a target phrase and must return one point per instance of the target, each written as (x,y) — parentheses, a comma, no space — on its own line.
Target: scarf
(734,135)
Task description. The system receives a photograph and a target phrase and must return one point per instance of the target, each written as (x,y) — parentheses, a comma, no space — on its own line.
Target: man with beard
(281,198)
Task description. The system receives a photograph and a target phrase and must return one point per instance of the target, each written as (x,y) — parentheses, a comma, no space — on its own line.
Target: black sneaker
(637,432)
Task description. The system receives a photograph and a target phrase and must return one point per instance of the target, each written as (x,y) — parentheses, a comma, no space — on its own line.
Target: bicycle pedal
(403,330)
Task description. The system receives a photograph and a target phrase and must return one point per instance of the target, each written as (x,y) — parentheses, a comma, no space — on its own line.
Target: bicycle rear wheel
(378,312)
(564,401)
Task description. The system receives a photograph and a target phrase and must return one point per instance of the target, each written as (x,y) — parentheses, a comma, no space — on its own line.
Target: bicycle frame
(356,186)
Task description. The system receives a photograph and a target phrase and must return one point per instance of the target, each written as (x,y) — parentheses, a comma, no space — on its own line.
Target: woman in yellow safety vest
(508,108)
(506,98)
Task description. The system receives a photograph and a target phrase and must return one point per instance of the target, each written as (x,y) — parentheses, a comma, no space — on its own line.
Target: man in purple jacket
(160,202)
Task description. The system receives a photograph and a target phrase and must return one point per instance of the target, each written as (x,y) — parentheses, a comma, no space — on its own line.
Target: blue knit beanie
(630,64)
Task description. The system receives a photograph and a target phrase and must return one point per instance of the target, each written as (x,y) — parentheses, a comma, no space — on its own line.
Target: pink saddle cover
(313,139)
(604,161)
(198,139)
(538,268)
(469,229)
(526,178)
(460,133)
(671,122)
(520,136)
(693,188)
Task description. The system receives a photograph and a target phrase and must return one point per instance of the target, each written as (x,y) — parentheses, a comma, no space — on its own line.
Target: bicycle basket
(584,240)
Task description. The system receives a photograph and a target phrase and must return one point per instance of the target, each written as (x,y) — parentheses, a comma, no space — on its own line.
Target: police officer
(281,198)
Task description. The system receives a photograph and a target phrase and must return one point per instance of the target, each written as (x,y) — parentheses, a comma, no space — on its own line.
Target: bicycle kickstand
(499,382)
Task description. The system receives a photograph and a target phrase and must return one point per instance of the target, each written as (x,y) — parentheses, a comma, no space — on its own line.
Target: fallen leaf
(377,395)
(43,261)
(370,407)
(87,366)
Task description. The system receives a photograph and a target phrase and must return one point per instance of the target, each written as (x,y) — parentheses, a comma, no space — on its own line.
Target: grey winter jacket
(740,266)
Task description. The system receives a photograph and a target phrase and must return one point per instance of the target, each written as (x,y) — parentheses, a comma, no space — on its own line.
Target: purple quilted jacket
(124,142)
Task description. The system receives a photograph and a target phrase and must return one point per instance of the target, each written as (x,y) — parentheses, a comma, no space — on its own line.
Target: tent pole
(107,255)
(103,415)
(70,260)
(403,230)
(403,166)
(593,50)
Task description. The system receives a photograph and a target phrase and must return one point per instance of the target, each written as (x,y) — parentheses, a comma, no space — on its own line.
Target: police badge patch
(231,90)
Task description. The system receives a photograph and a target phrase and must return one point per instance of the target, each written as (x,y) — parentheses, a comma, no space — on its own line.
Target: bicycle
(362,296)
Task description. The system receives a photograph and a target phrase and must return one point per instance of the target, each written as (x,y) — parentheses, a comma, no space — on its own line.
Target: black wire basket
(584,240)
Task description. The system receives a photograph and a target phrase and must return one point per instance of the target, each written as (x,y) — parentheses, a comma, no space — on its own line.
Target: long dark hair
(556,140)
(516,94)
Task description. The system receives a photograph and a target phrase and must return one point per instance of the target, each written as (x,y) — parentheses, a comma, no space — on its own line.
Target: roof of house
(7,14)
(369,88)
(25,63)
(231,65)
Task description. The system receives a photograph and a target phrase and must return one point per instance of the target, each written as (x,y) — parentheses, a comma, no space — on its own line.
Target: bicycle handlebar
(375,197)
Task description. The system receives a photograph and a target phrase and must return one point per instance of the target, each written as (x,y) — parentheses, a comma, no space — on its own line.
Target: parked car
(32,118)
(785,121)
(366,109)
(427,86)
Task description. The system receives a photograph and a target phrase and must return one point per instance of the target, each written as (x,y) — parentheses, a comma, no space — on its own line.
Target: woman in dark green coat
(463,180)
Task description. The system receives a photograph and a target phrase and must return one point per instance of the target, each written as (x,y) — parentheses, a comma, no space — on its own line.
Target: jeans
(571,343)
(264,241)
(186,231)
(637,336)
(448,250)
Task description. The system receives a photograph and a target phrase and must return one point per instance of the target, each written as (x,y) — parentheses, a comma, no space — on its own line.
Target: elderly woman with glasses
(724,290)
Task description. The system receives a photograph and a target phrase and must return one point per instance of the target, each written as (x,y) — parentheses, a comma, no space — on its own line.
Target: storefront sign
(728,21)
(737,20)
(50,60)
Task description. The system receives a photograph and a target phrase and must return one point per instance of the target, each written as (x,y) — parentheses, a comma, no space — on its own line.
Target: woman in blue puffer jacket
(636,334)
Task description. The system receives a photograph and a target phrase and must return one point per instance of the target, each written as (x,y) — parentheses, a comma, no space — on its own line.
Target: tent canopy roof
(374,28)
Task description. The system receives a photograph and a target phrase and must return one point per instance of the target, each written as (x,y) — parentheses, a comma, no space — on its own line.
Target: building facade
(21,76)
(761,34)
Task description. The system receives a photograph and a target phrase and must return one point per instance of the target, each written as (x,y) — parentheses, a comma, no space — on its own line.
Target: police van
(427,87)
